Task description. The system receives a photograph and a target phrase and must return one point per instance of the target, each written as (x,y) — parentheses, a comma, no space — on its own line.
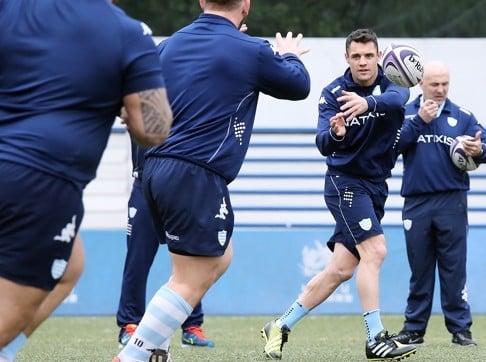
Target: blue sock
(294,314)
(164,314)
(11,349)
(373,324)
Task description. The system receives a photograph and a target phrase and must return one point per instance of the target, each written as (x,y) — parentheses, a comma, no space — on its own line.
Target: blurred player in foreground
(435,208)
(142,245)
(360,116)
(62,289)
(63,79)
(215,74)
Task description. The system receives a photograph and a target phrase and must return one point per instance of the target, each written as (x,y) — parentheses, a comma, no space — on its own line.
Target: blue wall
(267,273)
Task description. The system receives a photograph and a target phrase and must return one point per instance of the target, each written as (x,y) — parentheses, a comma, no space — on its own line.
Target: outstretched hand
(289,44)
(338,124)
(353,106)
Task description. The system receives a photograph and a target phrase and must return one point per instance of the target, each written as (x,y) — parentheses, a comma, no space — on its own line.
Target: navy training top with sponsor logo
(63,74)
(368,149)
(428,167)
(214,74)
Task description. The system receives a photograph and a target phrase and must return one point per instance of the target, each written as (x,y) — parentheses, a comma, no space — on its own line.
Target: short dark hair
(224,4)
(361,36)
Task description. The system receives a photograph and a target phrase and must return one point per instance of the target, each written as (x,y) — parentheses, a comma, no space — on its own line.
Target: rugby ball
(402,65)
(459,157)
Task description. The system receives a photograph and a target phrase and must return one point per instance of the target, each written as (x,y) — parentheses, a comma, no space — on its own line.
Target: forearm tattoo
(156,112)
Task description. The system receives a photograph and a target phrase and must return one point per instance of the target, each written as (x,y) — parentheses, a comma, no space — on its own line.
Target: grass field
(316,338)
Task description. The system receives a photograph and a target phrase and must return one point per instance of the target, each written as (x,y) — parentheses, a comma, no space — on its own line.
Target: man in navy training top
(434,215)
(62,83)
(215,74)
(142,245)
(360,115)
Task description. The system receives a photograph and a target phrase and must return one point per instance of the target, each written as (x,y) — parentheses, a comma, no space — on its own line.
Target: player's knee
(375,258)
(373,250)
(379,253)
(340,274)
(382,252)
(344,274)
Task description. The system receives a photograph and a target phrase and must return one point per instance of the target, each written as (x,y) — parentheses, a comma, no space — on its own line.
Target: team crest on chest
(452,121)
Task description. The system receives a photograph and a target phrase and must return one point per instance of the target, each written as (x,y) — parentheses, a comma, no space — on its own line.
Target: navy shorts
(190,206)
(39,217)
(357,205)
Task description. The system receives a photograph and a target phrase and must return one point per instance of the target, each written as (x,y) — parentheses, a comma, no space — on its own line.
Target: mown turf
(316,338)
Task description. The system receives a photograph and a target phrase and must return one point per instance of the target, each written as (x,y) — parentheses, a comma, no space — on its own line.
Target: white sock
(164,315)
(166,344)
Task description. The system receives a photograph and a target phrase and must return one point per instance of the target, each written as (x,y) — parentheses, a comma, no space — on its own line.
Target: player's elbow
(323,144)
(149,116)
(302,94)
(301,89)
(146,141)
(295,87)
(155,131)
